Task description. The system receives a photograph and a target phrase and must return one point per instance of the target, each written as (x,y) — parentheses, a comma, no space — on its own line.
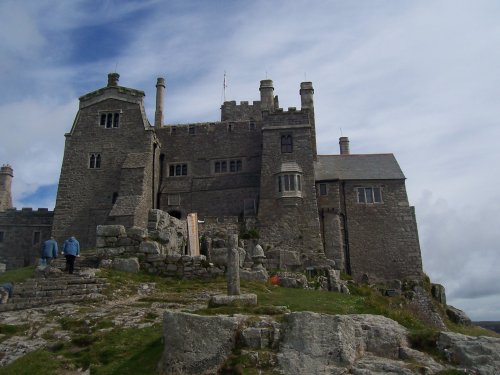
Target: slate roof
(357,167)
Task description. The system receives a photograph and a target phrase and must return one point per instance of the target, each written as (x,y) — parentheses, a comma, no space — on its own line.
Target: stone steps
(56,287)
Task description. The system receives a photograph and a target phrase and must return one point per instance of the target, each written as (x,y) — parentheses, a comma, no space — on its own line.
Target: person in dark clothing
(49,251)
(71,250)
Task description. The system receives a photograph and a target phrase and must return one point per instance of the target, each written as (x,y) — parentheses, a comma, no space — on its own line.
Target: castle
(256,170)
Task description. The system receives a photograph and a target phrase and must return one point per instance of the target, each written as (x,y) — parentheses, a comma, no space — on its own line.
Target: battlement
(27,211)
(282,118)
(204,128)
(230,111)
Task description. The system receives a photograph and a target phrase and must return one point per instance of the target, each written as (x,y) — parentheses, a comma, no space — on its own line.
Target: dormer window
(110,120)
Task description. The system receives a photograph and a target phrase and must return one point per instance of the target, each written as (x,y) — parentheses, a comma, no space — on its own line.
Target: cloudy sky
(420,79)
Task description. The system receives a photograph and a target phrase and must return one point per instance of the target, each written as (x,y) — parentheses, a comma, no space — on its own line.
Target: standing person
(49,251)
(71,250)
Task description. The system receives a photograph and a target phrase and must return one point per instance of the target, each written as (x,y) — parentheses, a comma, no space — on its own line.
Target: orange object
(275,280)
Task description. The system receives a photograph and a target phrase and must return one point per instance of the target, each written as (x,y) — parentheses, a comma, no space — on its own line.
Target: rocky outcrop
(196,344)
(457,316)
(325,344)
(303,343)
(481,354)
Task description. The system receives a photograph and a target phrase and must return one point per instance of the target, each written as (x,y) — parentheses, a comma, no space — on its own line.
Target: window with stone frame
(286,143)
(36,237)
(2,236)
(95,161)
(228,166)
(289,185)
(323,190)
(192,130)
(369,195)
(177,170)
(109,120)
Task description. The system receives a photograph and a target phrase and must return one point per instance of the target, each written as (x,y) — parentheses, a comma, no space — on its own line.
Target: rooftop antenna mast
(224,86)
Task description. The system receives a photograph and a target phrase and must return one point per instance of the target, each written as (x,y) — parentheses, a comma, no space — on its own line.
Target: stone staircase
(53,286)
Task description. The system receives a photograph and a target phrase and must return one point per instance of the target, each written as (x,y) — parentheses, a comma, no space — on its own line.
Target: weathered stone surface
(233,267)
(150,247)
(111,231)
(137,233)
(110,252)
(248,299)
(127,265)
(16,346)
(293,281)
(438,293)
(196,344)
(457,316)
(373,365)
(323,344)
(219,256)
(481,353)
(254,275)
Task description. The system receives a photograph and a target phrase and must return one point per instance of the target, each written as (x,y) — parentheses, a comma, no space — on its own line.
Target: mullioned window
(109,120)
(369,195)
(95,161)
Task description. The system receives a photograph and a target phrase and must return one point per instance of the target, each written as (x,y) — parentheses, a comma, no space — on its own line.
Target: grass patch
(18,275)
(12,330)
(39,362)
(120,352)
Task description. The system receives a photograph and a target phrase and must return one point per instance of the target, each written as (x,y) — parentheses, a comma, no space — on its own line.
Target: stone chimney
(266,95)
(306,95)
(113,79)
(160,99)
(6,174)
(307,102)
(344,145)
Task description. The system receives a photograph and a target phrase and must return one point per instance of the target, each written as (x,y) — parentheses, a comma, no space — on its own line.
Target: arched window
(95,161)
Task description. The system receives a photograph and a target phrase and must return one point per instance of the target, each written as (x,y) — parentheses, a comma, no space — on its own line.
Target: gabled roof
(357,167)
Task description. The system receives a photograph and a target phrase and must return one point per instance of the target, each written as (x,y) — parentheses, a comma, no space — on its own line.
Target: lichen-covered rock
(325,344)
(137,233)
(218,256)
(196,344)
(254,275)
(481,354)
(150,247)
(111,231)
(127,265)
(458,316)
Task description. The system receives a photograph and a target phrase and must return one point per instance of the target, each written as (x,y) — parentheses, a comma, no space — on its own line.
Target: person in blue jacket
(71,250)
(49,251)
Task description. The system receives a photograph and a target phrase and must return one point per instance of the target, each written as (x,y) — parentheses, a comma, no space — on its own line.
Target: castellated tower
(6,174)
(288,211)
(109,164)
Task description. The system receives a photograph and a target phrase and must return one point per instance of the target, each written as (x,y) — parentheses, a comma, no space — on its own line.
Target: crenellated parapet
(230,111)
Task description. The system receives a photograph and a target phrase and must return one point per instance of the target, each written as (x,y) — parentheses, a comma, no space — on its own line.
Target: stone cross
(233,266)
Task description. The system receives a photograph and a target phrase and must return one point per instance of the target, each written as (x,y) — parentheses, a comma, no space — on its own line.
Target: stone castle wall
(289,225)
(383,238)
(203,190)
(85,195)
(23,232)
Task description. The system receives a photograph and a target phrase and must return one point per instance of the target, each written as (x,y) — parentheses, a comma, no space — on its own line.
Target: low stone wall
(159,249)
